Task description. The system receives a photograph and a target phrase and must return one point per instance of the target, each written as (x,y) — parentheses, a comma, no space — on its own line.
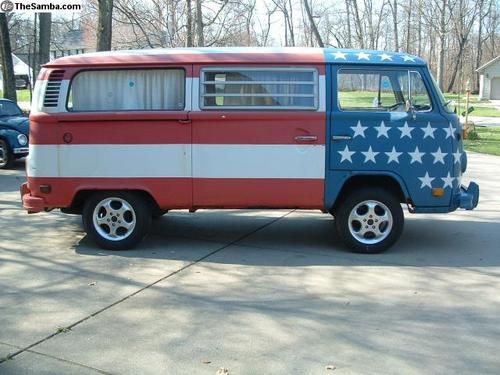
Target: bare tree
(9,81)
(104,33)
(313,24)
(45,25)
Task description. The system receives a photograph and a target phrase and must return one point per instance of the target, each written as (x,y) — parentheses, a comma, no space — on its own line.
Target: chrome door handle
(341,137)
(306,138)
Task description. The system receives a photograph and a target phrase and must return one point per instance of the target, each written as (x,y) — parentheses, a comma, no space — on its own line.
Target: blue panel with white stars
(333,55)
(422,152)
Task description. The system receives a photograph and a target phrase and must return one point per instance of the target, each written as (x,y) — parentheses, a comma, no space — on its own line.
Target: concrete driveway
(253,292)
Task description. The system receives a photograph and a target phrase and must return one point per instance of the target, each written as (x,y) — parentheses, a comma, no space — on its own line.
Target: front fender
(338,180)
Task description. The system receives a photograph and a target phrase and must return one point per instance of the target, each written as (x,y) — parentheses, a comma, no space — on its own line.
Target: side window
(363,90)
(128,90)
(419,96)
(269,88)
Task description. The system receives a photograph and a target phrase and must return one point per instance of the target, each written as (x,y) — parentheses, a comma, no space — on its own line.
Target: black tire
(356,230)
(116,220)
(6,157)
(158,213)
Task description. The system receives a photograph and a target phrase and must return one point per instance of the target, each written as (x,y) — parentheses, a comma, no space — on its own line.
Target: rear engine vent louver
(53,87)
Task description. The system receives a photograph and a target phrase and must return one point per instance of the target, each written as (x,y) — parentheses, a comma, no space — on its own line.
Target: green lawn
(481,108)
(488,142)
(22,95)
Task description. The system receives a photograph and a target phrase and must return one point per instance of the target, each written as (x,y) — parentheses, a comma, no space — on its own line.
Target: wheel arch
(82,195)
(387,181)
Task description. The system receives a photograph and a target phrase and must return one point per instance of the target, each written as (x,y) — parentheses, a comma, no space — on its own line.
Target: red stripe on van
(257,127)
(177,192)
(258,193)
(170,128)
(126,59)
(168,192)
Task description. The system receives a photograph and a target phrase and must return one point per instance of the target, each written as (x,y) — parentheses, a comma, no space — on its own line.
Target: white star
(405,130)
(429,131)
(408,58)
(363,56)
(339,55)
(346,154)
(385,56)
(426,180)
(449,131)
(438,156)
(393,155)
(359,130)
(370,155)
(416,156)
(382,130)
(457,156)
(448,181)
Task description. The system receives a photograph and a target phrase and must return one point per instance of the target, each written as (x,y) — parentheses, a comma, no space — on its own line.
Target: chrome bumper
(21,150)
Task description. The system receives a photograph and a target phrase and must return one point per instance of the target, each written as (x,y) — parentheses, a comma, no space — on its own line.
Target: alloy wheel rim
(370,222)
(114,219)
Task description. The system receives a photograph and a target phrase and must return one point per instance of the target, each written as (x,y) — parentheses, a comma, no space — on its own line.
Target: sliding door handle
(341,137)
(306,138)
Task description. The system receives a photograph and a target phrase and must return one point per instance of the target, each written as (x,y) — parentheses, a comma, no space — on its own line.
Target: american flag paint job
(234,158)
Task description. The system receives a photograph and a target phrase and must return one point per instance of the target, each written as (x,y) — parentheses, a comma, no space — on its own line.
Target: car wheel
(369,220)
(6,157)
(116,220)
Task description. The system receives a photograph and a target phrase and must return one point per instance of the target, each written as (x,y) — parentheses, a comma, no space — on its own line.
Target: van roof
(237,55)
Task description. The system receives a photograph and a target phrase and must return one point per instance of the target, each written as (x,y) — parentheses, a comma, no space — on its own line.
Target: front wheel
(6,157)
(116,220)
(369,220)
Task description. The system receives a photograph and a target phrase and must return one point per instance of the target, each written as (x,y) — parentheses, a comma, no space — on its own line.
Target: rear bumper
(468,197)
(30,203)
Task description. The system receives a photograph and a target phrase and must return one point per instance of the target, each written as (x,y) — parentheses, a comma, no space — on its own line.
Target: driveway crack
(117,302)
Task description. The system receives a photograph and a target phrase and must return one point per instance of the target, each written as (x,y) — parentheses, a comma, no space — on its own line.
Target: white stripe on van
(209,161)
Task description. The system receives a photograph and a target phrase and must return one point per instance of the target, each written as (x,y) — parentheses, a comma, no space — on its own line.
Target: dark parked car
(14,129)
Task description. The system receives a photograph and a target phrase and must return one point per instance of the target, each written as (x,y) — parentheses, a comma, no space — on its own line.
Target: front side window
(382,91)
(270,88)
(128,90)
(362,90)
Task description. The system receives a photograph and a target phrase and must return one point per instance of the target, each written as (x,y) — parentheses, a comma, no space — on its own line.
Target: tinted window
(128,90)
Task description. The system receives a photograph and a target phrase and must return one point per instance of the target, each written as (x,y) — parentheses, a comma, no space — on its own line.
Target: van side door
(259,137)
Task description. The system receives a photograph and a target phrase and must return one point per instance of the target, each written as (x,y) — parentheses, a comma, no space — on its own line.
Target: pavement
(251,292)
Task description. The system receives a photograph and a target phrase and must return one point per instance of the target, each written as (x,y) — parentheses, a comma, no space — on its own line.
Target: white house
(22,72)
(489,81)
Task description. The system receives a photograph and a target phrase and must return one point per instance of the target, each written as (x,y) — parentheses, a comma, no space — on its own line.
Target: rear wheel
(369,220)
(116,220)
(6,157)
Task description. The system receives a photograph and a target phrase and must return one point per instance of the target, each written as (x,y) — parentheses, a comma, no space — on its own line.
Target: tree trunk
(408,26)
(313,25)
(189,39)
(9,80)
(199,24)
(442,44)
(45,26)
(104,24)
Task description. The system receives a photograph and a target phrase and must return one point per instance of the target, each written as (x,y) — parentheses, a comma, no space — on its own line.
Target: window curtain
(116,90)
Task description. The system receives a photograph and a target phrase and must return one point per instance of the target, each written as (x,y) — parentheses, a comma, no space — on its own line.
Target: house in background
(22,72)
(489,81)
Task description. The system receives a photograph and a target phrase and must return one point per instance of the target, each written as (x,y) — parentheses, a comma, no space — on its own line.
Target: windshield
(9,109)
(447,105)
